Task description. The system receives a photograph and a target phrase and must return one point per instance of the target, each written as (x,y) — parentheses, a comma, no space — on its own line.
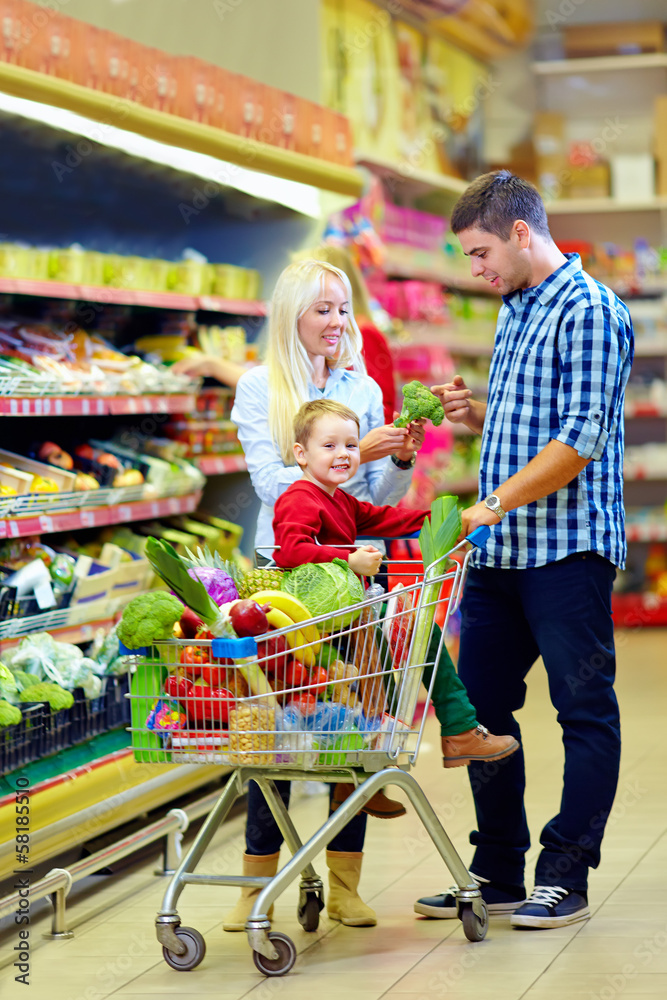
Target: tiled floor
(620,952)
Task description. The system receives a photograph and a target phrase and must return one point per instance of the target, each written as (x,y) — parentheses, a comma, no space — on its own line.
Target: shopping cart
(270,712)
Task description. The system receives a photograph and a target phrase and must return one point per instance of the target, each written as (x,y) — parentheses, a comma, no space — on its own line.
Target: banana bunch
(288,612)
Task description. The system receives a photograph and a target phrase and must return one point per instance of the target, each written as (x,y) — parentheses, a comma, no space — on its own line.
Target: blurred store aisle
(622,950)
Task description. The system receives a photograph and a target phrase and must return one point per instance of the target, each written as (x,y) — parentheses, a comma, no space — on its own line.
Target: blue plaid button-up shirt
(560,364)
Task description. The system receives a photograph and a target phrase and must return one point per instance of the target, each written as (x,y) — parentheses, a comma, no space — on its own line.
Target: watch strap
(400,464)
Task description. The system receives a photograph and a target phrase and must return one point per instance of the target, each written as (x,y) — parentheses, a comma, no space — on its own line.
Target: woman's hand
(365,560)
(208,366)
(414,440)
(382,442)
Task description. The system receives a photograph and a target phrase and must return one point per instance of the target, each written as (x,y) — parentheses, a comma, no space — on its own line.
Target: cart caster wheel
(308,914)
(474,928)
(196,949)
(286,956)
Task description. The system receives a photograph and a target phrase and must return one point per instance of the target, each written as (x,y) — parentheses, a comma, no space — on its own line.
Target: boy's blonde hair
(297,288)
(308,415)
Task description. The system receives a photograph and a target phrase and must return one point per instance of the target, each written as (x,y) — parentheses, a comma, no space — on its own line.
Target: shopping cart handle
(479,536)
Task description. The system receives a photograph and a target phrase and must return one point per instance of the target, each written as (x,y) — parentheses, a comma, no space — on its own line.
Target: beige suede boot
(258,866)
(343,901)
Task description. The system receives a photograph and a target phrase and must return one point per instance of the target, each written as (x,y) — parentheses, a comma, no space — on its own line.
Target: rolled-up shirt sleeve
(589,348)
(270,477)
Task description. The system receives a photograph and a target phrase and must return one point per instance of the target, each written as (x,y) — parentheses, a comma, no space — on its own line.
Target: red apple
(247,618)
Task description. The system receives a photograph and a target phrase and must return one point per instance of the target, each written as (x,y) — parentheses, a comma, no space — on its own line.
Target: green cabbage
(324,588)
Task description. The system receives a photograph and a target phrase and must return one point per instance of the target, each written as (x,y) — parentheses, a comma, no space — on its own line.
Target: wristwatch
(493,503)
(400,464)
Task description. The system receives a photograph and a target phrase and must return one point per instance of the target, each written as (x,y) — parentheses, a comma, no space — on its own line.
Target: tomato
(214,675)
(306,703)
(296,675)
(177,686)
(222,701)
(320,679)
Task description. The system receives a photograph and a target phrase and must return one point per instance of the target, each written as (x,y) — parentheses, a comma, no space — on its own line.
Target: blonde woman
(314,351)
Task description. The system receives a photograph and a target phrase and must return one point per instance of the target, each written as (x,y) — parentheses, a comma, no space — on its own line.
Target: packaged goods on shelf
(183,86)
(81,267)
(646,461)
(228,343)
(613,38)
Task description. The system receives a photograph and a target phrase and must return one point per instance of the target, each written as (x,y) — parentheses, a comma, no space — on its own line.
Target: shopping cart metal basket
(332,698)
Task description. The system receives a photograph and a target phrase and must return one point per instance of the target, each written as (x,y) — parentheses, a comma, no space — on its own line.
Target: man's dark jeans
(562,612)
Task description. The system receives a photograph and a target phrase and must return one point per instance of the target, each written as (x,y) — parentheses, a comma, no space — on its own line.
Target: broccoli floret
(9,714)
(56,696)
(418,401)
(149,618)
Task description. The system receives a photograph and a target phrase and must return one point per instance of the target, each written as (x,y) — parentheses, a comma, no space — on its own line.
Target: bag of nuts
(251,734)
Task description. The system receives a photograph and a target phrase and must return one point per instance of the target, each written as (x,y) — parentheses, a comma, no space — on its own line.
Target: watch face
(492,501)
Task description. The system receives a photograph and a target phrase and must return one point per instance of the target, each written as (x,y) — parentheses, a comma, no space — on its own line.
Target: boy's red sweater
(305,512)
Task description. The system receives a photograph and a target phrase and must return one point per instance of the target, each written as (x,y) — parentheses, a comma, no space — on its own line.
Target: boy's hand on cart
(474,517)
(365,560)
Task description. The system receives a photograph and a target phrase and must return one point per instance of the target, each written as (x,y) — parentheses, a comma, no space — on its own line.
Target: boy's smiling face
(331,454)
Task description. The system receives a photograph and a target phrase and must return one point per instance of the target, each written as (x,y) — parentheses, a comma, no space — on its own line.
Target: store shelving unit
(622,86)
(98,517)
(220,465)
(85,406)
(131,297)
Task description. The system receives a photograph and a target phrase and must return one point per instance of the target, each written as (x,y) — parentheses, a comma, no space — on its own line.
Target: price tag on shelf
(85,407)
(45,523)
(155,508)
(27,406)
(58,407)
(14,529)
(212,305)
(87,518)
(3,529)
(125,513)
(174,505)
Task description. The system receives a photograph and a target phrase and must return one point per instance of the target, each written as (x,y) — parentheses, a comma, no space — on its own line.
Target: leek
(437,537)
(173,571)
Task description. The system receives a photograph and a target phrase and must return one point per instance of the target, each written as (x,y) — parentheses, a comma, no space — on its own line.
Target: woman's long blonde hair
(290,369)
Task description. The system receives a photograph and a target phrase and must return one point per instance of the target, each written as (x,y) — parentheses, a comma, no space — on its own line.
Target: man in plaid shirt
(551,488)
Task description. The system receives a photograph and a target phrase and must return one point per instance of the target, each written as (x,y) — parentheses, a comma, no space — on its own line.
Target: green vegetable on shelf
(56,696)
(10,715)
(8,686)
(24,680)
(418,401)
(149,618)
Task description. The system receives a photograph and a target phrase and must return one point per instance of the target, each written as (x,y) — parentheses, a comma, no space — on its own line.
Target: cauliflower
(9,714)
(418,401)
(149,618)
(56,696)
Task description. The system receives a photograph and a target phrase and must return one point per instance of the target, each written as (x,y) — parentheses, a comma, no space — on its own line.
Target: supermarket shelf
(179,132)
(129,296)
(423,265)
(634,610)
(647,532)
(218,465)
(75,624)
(601,64)
(578,206)
(84,406)
(650,347)
(644,408)
(644,475)
(433,334)
(458,486)
(408,180)
(98,517)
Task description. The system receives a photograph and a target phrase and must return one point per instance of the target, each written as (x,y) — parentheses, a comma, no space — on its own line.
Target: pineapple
(259,579)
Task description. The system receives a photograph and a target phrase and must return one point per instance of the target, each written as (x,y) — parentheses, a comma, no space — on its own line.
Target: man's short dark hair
(493,203)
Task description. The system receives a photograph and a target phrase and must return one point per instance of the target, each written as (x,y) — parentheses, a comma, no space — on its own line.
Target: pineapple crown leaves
(213,559)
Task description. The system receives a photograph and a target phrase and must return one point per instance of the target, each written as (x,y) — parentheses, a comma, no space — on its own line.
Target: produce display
(50,357)
(312,691)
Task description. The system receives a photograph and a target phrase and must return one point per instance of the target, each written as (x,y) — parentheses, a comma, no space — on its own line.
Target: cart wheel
(286,956)
(474,928)
(196,949)
(308,915)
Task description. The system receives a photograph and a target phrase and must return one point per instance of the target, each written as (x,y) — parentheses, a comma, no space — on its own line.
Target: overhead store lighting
(302,198)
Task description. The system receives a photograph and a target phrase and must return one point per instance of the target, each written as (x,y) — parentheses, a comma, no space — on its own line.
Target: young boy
(314,510)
